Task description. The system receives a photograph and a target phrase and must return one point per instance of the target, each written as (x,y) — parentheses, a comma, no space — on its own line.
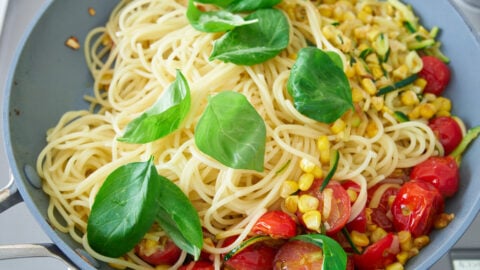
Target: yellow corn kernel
(338,126)
(291,203)
(409,98)
(442,104)
(377,234)
(413,252)
(305,181)
(360,69)
(293,56)
(317,172)
(288,187)
(325,10)
(401,72)
(372,129)
(369,86)
(150,244)
(359,239)
(421,241)
(421,83)
(306,165)
(377,71)
(405,239)
(402,257)
(427,110)
(443,220)
(364,16)
(372,59)
(367,9)
(377,103)
(329,31)
(357,94)
(415,113)
(352,195)
(323,143)
(348,16)
(307,203)
(372,34)
(443,113)
(349,71)
(394,266)
(312,220)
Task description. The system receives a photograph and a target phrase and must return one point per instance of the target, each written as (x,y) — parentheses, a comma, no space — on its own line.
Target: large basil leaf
(232,132)
(334,257)
(254,43)
(251,5)
(124,209)
(319,87)
(179,219)
(214,21)
(163,117)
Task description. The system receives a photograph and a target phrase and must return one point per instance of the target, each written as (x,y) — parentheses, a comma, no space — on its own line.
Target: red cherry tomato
(258,256)
(340,202)
(447,131)
(379,254)
(379,214)
(359,223)
(298,255)
(198,265)
(276,224)
(415,207)
(164,253)
(436,73)
(442,172)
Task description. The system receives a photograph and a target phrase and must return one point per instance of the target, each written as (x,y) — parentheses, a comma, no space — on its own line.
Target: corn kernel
(307,203)
(323,143)
(377,103)
(360,70)
(394,266)
(357,94)
(325,10)
(443,113)
(427,110)
(377,234)
(317,172)
(372,129)
(372,34)
(306,165)
(329,31)
(413,252)
(415,113)
(288,188)
(305,181)
(338,126)
(401,72)
(364,16)
(442,104)
(402,257)
(409,98)
(359,239)
(291,203)
(377,71)
(421,241)
(443,220)
(312,220)
(369,86)
(405,239)
(420,82)
(352,195)
(349,71)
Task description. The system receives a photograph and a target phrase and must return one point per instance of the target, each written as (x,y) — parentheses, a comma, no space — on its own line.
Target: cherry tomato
(359,223)
(340,205)
(198,265)
(165,252)
(258,256)
(442,172)
(415,207)
(380,214)
(447,131)
(298,255)
(436,73)
(379,254)
(276,224)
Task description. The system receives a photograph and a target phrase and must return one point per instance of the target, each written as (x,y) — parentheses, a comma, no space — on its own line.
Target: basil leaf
(122,212)
(214,21)
(232,132)
(163,117)
(319,87)
(219,3)
(334,257)
(254,43)
(178,218)
(335,58)
(251,5)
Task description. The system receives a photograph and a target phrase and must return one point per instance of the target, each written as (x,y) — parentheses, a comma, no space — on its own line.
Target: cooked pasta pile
(134,57)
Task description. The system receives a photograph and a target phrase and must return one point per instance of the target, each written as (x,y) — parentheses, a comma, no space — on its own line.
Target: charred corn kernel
(402,257)
(307,203)
(338,126)
(291,203)
(442,220)
(369,86)
(352,195)
(409,98)
(377,103)
(394,266)
(305,181)
(317,172)
(401,72)
(420,82)
(359,239)
(415,113)
(312,220)
(377,234)
(421,241)
(306,165)
(427,110)
(357,94)
(442,104)
(288,187)
(405,240)
(372,129)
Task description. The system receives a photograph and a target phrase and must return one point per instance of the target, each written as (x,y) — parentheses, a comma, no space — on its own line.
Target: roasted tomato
(381,208)
(276,224)
(338,205)
(416,206)
(379,254)
(198,265)
(436,73)
(298,255)
(447,131)
(257,256)
(163,252)
(359,223)
(442,172)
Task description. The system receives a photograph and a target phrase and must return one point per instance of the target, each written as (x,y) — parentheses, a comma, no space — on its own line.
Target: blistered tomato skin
(442,172)
(298,255)
(436,73)
(415,207)
(448,132)
(276,224)
(379,254)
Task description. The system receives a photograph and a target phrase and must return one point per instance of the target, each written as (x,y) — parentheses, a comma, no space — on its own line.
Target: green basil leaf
(179,219)
(251,5)
(232,132)
(319,87)
(334,257)
(122,212)
(254,43)
(219,3)
(214,21)
(164,117)
(337,60)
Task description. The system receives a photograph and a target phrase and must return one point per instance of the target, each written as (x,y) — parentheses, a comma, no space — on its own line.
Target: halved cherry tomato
(359,223)
(165,252)
(436,73)
(447,131)
(258,256)
(380,214)
(415,207)
(379,254)
(340,205)
(442,172)
(198,265)
(276,224)
(298,255)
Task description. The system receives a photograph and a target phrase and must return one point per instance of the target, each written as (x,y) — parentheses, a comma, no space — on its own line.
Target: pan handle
(9,195)
(34,250)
